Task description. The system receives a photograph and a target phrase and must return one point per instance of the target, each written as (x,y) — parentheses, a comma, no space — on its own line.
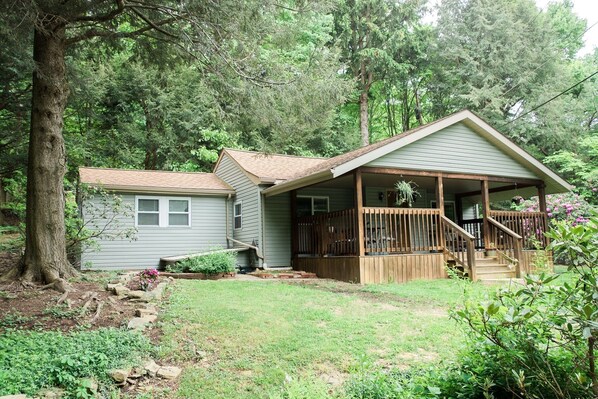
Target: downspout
(227,221)
(263,212)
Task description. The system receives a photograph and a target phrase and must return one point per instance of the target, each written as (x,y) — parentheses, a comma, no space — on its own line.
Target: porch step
(492,267)
(497,274)
(487,260)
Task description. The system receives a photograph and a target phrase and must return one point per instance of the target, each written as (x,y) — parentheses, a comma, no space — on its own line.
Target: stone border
(198,276)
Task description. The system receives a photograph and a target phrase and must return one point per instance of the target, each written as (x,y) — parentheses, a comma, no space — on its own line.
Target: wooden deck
(375,269)
(393,268)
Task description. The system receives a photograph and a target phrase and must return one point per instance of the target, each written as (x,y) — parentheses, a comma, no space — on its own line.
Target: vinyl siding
(456,149)
(249,194)
(207,231)
(277,230)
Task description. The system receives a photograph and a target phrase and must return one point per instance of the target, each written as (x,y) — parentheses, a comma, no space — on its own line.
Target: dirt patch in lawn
(88,305)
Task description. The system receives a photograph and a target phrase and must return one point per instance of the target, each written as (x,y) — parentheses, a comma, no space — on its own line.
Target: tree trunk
(45,243)
(363,118)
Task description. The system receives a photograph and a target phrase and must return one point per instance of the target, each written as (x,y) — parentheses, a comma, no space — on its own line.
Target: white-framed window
(312,205)
(162,211)
(238,215)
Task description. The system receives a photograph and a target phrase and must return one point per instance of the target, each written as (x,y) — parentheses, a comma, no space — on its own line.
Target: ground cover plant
(32,360)
(271,339)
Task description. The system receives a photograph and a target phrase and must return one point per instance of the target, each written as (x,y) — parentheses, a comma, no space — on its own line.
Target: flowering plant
(147,278)
(569,207)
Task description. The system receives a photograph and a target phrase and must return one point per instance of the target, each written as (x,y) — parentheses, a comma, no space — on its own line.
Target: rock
(14,397)
(137,373)
(151,368)
(138,323)
(144,312)
(169,372)
(121,290)
(112,286)
(50,393)
(135,294)
(151,307)
(119,375)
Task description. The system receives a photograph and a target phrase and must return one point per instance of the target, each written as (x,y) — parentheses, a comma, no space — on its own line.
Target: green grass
(265,339)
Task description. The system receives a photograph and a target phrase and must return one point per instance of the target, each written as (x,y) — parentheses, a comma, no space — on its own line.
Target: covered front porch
(353,229)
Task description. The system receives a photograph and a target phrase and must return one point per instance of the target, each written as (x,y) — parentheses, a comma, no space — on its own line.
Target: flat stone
(151,368)
(169,372)
(112,286)
(144,312)
(14,397)
(119,375)
(50,393)
(121,290)
(138,323)
(135,294)
(151,307)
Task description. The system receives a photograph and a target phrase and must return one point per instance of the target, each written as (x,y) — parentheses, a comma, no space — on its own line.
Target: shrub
(147,278)
(213,263)
(30,361)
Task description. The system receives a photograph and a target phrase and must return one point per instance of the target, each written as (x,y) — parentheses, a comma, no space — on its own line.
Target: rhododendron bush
(569,207)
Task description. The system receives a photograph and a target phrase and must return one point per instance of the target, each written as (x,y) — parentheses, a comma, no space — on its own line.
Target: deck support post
(440,206)
(360,248)
(294,226)
(486,212)
(542,208)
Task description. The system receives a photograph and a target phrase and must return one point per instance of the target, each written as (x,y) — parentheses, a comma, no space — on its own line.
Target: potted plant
(491,249)
(406,193)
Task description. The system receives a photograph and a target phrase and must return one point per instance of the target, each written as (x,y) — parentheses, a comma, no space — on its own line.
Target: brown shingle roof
(155,181)
(272,167)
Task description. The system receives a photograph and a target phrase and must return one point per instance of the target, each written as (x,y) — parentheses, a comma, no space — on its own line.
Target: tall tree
(369,33)
(224,30)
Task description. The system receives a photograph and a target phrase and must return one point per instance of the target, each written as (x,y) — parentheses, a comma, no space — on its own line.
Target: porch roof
(341,164)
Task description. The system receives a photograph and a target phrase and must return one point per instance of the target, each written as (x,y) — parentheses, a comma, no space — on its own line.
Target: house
(338,217)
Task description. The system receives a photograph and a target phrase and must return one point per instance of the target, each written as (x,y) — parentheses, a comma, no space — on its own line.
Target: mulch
(33,308)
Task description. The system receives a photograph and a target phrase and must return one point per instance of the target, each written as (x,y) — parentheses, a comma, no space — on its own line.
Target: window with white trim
(163,211)
(312,205)
(238,215)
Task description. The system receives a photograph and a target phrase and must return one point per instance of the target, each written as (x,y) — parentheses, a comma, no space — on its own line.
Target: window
(163,211)
(148,212)
(238,215)
(310,205)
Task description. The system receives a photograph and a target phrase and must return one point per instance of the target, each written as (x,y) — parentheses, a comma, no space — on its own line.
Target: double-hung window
(238,215)
(163,211)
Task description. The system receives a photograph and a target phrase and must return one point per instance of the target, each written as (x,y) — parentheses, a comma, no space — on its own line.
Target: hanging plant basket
(406,193)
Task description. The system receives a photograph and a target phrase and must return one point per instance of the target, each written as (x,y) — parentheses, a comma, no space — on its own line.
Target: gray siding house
(339,217)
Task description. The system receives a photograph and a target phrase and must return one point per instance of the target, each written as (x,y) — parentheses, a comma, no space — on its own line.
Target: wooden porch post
(486,212)
(440,205)
(459,209)
(542,197)
(294,226)
(360,236)
(440,194)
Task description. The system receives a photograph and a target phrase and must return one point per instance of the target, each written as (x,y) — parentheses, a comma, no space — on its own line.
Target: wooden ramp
(170,260)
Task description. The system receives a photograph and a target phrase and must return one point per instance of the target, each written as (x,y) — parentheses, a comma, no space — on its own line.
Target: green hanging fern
(406,192)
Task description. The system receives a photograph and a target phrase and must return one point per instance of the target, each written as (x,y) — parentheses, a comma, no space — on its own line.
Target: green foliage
(213,263)
(63,311)
(406,193)
(30,361)
(13,320)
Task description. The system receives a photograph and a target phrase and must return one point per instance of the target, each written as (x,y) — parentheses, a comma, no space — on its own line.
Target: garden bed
(198,276)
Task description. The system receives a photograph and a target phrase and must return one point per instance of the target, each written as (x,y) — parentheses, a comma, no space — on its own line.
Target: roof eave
(162,190)
(298,183)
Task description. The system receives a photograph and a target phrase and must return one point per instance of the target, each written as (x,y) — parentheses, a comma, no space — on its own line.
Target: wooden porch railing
(401,230)
(331,233)
(475,227)
(531,226)
(508,244)
(460,245)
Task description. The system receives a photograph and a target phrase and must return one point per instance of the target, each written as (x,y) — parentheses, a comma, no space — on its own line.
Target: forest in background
(317,78)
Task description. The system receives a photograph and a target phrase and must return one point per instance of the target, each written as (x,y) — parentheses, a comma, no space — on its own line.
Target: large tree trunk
(45,244)
(363,118)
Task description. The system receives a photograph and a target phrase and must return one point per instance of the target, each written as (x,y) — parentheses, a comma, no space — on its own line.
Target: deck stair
(493,268)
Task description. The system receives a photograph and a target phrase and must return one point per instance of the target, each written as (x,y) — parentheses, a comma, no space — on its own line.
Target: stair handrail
(517,245)
(469,263)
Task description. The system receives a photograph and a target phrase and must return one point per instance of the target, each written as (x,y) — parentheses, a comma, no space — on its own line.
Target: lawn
(245,339)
